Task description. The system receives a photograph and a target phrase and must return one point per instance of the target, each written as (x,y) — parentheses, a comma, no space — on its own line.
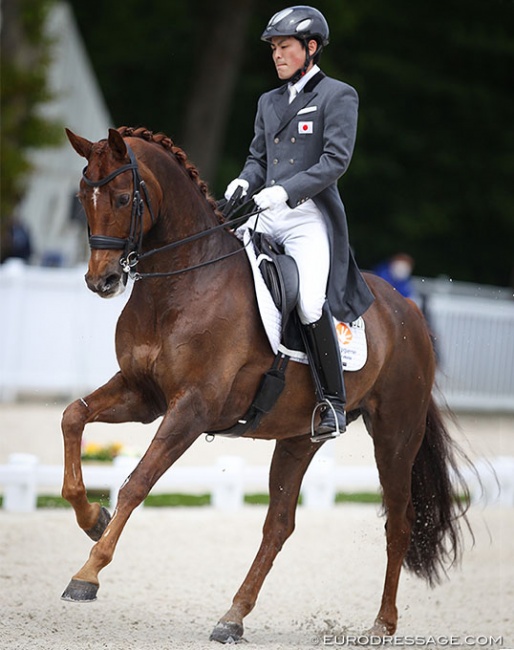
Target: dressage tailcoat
(306,146)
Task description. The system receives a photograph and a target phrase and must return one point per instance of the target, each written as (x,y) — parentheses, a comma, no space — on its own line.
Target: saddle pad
(352,336)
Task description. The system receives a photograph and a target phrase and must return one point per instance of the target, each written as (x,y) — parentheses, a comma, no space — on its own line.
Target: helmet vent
(281,14)
(304,25)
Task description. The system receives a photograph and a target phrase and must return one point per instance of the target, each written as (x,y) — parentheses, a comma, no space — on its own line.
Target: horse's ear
(81,145)
(117,144)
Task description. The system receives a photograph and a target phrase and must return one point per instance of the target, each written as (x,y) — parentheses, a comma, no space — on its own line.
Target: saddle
(278,270)
(280,274)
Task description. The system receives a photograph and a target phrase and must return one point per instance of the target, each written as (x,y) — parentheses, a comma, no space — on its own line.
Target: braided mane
(179,154)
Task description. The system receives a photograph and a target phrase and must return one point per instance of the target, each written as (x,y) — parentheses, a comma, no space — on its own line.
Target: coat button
(275,161)
(276,140)
(291,161)
(273,182)
(293,139)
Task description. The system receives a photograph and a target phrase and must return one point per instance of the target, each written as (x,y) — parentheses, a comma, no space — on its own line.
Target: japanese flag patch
(305,127)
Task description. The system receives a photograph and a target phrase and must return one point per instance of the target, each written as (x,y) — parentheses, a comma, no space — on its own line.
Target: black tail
(440,498)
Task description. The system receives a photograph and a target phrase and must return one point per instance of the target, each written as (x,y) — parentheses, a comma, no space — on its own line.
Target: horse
(191,348)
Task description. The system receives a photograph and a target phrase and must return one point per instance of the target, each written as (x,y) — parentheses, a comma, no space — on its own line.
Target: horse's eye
(122,200)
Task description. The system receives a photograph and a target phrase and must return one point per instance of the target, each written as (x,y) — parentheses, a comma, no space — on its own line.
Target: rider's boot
(325,361)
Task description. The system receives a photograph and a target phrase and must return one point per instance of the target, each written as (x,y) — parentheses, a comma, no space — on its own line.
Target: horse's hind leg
(290,461)
(396,445)
(113,402)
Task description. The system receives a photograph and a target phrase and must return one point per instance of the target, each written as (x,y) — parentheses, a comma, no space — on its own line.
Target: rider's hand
(271,197)
(233,185)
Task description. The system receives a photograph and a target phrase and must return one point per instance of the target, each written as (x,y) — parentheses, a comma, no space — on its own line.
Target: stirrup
(321,437)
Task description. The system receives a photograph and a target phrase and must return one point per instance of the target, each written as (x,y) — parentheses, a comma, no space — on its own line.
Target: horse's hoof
(80,591)
(98,529)
(227,633)
(381,629)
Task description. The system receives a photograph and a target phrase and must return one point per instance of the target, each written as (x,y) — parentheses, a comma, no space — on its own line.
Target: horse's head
(116,203)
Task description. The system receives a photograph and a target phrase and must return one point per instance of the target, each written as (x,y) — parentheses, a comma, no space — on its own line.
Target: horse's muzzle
(107,281)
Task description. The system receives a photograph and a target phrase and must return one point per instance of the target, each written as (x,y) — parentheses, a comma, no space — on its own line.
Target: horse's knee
(74,417)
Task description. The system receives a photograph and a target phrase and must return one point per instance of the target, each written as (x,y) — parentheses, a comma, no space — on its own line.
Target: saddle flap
(280,273)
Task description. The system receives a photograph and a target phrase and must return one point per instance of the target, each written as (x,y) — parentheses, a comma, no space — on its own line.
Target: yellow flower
(95,451)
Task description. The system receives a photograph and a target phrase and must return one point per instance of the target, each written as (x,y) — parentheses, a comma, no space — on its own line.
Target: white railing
(23,478)
(56,337)
(475,348)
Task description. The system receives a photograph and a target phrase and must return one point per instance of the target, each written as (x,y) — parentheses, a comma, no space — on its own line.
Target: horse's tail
(440,498)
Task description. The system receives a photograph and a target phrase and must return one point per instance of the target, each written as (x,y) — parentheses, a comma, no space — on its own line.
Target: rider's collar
(300,84)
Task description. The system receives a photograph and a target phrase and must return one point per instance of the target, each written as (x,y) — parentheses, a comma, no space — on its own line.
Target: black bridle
(132,245)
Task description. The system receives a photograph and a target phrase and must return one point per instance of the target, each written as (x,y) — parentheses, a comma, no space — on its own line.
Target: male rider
(303,142)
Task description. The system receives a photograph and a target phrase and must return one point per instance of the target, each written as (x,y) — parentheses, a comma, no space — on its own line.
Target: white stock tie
(292,93)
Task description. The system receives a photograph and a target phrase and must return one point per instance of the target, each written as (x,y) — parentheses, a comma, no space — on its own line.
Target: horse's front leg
(175,434)
(113,402)
(290,461)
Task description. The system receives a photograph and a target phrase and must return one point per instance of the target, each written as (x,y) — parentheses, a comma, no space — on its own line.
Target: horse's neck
(176,241)
(183,213)
(183,290)
(184,209)
(179,235)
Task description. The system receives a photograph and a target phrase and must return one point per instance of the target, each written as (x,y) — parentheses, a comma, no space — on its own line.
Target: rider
(303,142)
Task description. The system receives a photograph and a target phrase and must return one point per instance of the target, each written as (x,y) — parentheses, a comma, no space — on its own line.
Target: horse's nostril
(111,281)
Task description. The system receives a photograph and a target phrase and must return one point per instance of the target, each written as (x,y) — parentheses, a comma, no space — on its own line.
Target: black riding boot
(325,361)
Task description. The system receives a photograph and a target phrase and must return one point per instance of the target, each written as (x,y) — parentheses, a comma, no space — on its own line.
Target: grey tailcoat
(305,147)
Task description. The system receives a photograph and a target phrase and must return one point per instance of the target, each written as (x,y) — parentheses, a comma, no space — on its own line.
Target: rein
(132,244)
(204,233)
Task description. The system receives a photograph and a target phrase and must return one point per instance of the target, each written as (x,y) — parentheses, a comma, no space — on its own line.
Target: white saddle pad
(352,336)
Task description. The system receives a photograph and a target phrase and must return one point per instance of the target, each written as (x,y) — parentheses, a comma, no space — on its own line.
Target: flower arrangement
(101,453)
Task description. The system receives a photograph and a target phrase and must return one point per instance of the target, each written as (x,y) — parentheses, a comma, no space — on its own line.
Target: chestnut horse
(191,347)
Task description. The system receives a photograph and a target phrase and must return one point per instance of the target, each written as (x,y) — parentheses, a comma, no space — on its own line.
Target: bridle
(132,245)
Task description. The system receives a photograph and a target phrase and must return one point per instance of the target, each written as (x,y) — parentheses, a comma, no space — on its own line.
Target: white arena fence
(57,338)
(23,478)
(474,340)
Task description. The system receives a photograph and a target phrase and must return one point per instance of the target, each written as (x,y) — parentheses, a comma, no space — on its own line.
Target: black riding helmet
(303,23)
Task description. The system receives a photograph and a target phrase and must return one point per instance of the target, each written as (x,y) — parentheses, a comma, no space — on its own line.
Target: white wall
(56,337)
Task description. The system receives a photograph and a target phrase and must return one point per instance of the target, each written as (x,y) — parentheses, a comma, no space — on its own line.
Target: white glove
(271,197)
(233,185)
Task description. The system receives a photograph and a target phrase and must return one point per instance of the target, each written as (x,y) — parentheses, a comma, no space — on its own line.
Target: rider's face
(289,55)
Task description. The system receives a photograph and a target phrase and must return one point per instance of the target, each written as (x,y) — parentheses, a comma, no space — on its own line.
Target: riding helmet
(300,21)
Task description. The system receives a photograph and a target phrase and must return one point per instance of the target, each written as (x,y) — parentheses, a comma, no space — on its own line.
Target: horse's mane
(179,154)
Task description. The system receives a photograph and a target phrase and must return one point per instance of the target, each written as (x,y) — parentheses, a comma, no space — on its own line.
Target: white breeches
(303,234)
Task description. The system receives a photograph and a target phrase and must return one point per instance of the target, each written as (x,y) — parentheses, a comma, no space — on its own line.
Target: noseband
(131,244)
